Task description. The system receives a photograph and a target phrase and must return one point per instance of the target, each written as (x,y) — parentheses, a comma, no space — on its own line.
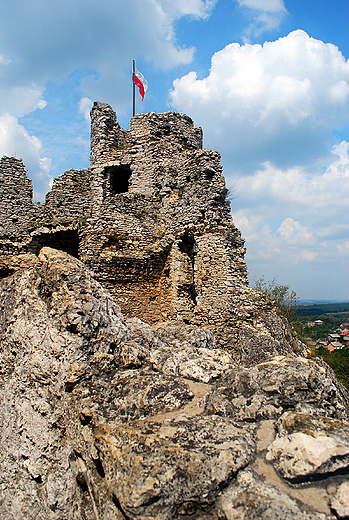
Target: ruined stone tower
(150,217)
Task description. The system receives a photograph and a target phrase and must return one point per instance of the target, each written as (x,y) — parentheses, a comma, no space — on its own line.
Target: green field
(338,361)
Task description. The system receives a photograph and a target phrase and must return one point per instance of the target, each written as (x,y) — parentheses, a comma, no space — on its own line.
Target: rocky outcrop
(106,417)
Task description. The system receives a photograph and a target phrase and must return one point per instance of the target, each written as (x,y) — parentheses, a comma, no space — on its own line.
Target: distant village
(338,340)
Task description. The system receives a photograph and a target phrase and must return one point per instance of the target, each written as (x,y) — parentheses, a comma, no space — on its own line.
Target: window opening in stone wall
(188,246)
(5,272)
(67,241)
(209,173)
(119,177)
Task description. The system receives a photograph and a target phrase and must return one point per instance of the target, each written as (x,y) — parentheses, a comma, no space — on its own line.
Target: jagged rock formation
(104,417)
(140,376)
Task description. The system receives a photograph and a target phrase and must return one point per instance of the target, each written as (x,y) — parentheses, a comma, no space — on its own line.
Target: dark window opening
(119,177)
(99,467)
(5,272)
(188,246)
(209,173)
(67,241)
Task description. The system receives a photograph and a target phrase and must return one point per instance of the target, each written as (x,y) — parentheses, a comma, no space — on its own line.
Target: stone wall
(16,196)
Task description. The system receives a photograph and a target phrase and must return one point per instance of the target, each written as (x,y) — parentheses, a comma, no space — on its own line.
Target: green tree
(277,294)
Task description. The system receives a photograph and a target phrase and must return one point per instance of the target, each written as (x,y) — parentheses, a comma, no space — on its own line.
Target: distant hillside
(321,308)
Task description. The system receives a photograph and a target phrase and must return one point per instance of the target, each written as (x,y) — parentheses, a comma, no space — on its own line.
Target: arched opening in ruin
(119,178)
(67,241)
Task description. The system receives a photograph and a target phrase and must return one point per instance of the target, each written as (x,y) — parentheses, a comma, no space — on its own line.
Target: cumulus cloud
(276,102)
(4,60)
(298,189)
(343,247)
(294,233)
(54,38)
(339,169)
(21,99)
(297,217)
(15,141)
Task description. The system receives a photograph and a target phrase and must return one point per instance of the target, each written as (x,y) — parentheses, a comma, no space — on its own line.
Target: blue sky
(268,80)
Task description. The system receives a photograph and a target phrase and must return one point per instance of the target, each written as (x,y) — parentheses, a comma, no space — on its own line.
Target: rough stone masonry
(151,218)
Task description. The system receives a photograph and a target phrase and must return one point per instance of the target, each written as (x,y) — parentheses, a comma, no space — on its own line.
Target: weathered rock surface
(268,389)
(105,417)
(340,503)
(309,446)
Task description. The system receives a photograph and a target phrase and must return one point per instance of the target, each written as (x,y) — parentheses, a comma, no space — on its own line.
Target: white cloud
(297,217)
(85,106)
(339,169)
(4,60)
(294,233)
(343,247)
(299,189)
(195,8)
(265,15)
(15,141)
(339,93)
(308,256)
(20,100)
(278,102)
(55,37)
(263,5)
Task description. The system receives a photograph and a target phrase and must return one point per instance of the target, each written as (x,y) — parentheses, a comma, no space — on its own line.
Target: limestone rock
(75,378)
(268,389)
(250,498)
(312,446)
(340,503)
(104,417)
(156,468)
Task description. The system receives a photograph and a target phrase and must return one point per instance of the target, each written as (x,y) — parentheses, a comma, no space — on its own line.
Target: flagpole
(134,87)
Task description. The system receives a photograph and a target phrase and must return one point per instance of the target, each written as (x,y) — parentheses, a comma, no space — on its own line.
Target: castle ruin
(150,217)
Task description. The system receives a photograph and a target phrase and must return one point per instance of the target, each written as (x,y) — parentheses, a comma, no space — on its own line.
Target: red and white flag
(141,83)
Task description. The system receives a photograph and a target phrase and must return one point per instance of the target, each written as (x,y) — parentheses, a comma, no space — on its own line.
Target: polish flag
(141,83)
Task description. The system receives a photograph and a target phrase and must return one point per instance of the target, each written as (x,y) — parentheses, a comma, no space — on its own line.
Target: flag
(141,83)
